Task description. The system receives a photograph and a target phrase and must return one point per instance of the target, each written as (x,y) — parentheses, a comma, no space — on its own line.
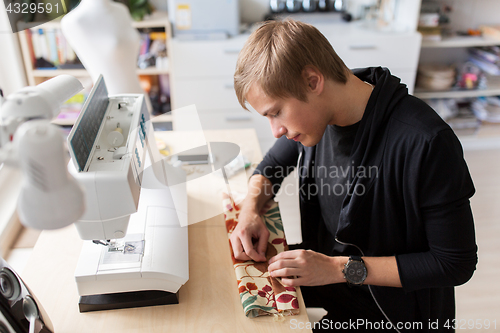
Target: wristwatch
(355,271)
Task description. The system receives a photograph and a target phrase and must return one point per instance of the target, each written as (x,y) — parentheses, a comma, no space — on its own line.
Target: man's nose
(277,129)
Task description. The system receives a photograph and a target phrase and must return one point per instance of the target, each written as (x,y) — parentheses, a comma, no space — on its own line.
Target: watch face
(355,272)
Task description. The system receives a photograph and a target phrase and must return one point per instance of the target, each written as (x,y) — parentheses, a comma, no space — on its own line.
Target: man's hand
(249,238)
(310,268)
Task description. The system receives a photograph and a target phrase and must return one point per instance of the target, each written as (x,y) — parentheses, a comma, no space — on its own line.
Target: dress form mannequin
(101,34)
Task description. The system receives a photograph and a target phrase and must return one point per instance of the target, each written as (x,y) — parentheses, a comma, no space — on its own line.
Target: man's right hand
(249,238)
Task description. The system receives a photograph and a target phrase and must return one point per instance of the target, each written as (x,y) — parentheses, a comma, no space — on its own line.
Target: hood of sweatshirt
(368,144)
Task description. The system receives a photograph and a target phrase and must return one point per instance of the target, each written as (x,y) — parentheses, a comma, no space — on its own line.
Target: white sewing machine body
(113,148)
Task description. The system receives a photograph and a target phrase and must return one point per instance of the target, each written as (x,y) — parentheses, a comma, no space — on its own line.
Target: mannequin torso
(101,34)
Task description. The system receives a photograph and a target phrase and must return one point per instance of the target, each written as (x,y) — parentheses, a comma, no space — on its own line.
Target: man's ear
(314,79)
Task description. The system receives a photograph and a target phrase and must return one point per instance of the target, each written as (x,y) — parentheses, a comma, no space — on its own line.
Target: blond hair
(275,55)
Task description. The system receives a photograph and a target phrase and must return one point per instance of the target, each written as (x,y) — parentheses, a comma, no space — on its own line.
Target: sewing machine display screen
(88,126)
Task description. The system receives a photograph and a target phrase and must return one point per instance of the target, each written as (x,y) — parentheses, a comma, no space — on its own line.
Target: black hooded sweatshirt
(415,208)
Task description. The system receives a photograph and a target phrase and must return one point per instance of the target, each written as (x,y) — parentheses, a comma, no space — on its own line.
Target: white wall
(253,10)
(250,10)
(159,4)
(467,14)
(12,76)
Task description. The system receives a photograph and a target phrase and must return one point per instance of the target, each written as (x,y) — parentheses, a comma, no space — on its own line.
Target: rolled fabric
(260,293)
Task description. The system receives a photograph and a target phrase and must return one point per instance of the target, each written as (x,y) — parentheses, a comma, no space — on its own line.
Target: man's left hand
(310,268)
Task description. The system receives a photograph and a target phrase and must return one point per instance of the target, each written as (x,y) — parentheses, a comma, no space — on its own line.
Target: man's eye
(276,114)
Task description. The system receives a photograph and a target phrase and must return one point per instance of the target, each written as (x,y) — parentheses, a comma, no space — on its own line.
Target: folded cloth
(260,293)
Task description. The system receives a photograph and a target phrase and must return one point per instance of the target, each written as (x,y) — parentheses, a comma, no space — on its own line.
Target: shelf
(35,76)
(56,72)
(486,137)
(461,41)
(494,90)
(157,19)
(83,72)
(152,71)
(157,119)
(163,118)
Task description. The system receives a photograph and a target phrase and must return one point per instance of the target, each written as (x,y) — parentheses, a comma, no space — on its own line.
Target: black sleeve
(279,161)
(444,192)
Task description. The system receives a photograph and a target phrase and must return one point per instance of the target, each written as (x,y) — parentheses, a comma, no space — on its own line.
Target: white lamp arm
(50,198)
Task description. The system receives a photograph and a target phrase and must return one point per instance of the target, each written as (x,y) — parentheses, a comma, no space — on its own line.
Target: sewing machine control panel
(111,132)
(121,137)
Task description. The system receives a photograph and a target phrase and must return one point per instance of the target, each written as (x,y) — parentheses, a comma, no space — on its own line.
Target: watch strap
(357,258)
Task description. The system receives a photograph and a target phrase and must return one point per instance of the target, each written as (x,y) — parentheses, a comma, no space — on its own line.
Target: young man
(386,221)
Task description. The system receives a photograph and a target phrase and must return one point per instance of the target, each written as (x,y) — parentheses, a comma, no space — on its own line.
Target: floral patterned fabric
(260,293)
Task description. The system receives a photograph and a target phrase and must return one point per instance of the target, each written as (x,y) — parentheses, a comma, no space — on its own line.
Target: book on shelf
(61,50)
(487,109)
(53,47)
(489,54)
(486,58)
(144,44)
(29,40)
(49,49)
(485,66)
(464,122)
(153,49)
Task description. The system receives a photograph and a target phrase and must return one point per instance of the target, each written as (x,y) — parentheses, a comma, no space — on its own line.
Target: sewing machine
(134,224)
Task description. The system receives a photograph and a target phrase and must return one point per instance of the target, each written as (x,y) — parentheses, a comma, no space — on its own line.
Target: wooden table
(209,301)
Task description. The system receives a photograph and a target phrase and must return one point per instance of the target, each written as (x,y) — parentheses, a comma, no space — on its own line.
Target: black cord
(370,287)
